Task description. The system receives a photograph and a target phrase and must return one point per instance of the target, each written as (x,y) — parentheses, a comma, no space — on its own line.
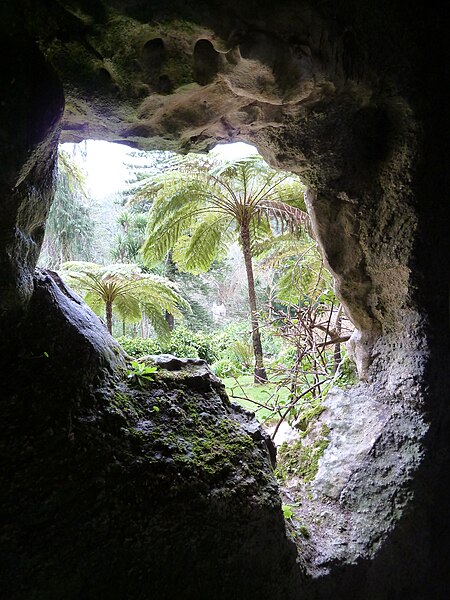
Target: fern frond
(286,216)
(159,323)
(95,303)
(205,244)
(128,308)
(128,289)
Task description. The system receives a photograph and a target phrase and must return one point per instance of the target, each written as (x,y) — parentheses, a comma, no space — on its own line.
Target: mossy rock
(118,490)
(301,458)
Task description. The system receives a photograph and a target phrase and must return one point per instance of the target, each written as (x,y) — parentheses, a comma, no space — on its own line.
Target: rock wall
(348,95)
(114,488)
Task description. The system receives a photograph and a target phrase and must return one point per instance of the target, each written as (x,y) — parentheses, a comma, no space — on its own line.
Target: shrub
(192,344)
(183,343)
(138,347)
(225,368)
(240,353)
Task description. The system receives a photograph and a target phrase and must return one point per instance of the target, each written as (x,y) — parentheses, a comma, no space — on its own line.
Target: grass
(242,390)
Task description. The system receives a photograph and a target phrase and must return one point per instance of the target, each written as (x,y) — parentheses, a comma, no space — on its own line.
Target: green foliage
(348,375)
(260,399)
(182,343)
(183,340)
(233,348)
(308,409)
(69,231)
(288,511)
(200,208)
(240,352)
(224,367)
(128,290)
(195,290)
(131,235)
(140,372)
(139,347)
(300,459)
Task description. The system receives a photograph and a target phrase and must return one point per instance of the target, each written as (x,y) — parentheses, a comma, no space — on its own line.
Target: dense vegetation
(213,260)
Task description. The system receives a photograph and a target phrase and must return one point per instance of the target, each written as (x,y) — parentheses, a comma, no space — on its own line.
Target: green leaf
(131,292)
(288,511)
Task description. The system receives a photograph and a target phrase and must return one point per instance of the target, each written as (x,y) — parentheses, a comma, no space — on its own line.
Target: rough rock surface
(114,490)
(355,496)
(350,95)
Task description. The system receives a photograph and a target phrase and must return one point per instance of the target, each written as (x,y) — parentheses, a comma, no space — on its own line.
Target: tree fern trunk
(109,316)
(169,320)
(260,374)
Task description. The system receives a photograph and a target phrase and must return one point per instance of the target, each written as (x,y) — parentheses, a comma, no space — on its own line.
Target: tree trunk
(260,375)
(169,320)
(337,346)
(109,316)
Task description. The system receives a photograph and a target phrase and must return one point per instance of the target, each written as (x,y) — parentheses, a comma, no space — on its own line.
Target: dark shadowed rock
(105,495)
(129,491)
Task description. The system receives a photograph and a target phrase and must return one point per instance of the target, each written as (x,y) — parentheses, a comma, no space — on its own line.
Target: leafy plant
(69,231)
(138,347)
(183,343)
(224,367)
(240,354)
(199,209)
(195,344)
(130,237)
(288,511)
(128,290)
(140,372)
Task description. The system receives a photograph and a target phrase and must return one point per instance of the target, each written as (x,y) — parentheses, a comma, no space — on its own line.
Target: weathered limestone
(347,94)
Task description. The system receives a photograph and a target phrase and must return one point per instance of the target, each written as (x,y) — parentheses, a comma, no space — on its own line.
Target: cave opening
(113,492)
(102,196)
(99,216)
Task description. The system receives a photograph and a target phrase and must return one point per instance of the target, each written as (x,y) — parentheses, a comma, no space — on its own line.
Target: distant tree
(69,232)
(125,289)
(199,209)
(130,237)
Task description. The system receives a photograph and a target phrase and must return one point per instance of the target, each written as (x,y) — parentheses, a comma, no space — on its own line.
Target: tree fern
(128,291)
(199,207)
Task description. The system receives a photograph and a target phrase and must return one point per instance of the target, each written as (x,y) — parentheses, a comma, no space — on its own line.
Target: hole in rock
(153,54)
(206,62)
(222,269)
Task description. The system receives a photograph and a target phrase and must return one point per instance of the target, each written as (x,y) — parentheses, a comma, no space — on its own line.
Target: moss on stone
(301,459)
(126,405)
(201,442)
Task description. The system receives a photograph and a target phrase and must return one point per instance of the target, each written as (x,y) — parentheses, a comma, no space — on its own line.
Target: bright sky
(105,168)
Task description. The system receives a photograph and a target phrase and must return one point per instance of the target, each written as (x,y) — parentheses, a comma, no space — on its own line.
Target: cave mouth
(318,470)
(326,491)
(100,189)
(335,97)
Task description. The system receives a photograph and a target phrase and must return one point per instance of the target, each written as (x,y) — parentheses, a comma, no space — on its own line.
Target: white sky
(105,168)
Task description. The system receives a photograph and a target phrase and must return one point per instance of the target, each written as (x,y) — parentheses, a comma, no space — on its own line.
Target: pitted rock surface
(348,94)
